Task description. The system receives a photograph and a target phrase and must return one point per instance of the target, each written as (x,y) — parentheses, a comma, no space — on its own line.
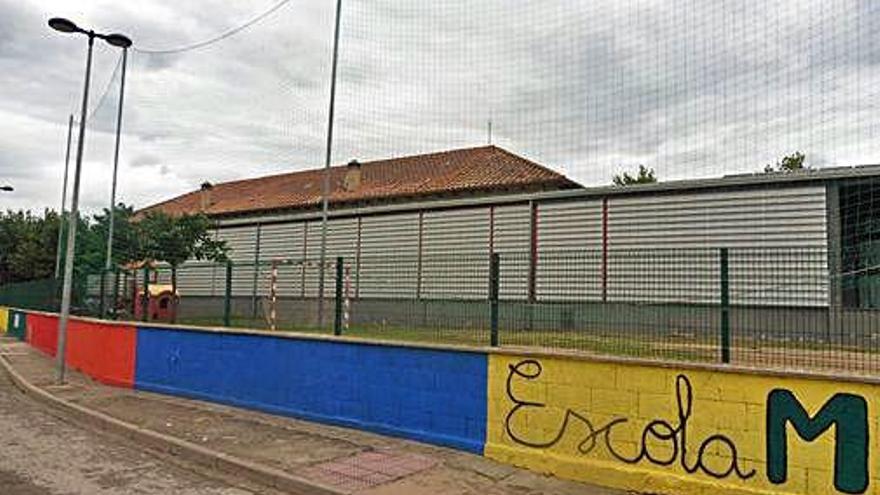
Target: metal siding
(773,235)
(341,241)
(196,278)
(569,251)
(282,242)
(511,242)
(455,254)
(242,243)
(389,256)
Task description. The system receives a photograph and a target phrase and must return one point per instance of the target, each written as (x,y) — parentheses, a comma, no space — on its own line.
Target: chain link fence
(776,308)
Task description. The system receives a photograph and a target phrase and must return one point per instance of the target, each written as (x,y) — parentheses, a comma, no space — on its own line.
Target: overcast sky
(691,88)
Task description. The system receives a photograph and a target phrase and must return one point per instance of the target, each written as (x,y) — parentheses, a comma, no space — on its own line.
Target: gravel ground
(43,455)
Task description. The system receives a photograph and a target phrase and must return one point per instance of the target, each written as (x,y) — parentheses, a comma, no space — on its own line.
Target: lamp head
(7,188)
(63,25)
(119,40)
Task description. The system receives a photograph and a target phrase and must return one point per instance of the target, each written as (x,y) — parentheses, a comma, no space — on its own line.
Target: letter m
(847,412)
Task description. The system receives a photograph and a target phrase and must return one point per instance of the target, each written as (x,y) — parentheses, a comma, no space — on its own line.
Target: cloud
(589,88)
(145,161)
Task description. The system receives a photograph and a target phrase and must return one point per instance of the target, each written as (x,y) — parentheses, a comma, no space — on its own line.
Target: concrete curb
(224,463)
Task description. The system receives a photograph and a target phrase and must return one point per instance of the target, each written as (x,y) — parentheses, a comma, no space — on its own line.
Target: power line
(215,39)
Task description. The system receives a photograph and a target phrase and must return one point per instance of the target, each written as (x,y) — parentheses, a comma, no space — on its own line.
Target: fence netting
(776,308)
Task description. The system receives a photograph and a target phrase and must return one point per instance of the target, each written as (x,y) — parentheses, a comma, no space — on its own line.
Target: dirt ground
(41,454)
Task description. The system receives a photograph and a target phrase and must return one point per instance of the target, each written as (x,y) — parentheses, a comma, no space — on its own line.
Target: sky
(689,88)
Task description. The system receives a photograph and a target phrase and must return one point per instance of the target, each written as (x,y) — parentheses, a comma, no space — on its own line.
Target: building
(423,227)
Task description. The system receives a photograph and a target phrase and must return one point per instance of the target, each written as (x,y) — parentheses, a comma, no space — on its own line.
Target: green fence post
(145,298)
(337,321)
(102,293)
(227,296)
(494,278)
(725,307)
(115,310)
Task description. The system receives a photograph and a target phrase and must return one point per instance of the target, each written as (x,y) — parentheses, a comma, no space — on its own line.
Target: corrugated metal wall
(685,231)
(455,254)
(389,256)
(282,242)
(569,251)
(660,248)
(511,241)
(242,243)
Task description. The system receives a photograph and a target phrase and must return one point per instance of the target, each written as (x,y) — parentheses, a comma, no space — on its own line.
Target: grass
(687,347)
(595,343)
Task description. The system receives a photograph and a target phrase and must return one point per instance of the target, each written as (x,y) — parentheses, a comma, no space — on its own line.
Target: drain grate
(368,469)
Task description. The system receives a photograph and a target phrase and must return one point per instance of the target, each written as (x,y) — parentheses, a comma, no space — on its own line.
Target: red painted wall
(102,351)
(42,332)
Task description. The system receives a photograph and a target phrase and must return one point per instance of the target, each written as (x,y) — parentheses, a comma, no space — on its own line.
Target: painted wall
(104,351)
(435,396)
(16,324)
(667,430)
(42,332)
(680,430)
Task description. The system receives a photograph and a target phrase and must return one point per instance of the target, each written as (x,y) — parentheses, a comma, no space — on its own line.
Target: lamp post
(66,26)
(110,227)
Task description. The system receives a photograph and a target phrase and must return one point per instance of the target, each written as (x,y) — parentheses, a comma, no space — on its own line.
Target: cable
(215,39)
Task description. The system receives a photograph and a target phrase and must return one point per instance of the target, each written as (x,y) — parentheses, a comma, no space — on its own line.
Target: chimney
(205,196)
(352,180)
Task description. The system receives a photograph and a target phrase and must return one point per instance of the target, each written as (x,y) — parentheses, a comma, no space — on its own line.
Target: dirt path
(43,455)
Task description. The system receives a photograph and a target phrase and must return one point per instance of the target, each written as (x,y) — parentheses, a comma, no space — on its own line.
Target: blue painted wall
(428,395)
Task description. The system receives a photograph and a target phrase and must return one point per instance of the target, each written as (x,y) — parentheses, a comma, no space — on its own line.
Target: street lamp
(7,188)
(67,26)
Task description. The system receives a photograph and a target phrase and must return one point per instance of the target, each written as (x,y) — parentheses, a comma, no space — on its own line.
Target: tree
(789,163)
(176,239)
(645,176)
(27,245)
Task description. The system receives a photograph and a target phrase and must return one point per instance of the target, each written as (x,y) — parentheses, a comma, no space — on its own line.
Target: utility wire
(215,39)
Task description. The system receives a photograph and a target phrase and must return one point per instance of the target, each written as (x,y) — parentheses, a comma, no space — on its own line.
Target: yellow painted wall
(561,426)
(4,319)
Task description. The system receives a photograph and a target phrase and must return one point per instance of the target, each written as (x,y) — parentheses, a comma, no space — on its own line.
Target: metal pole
(325,193)
(74,219)
(115,307)
(63,200)
(145,297)
(110,228)
(494,278)
(227,296)
(725,307)
(337,321)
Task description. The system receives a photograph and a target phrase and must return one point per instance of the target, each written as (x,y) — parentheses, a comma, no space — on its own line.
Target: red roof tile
(484,169)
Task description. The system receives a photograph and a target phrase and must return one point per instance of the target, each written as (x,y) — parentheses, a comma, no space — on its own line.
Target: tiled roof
(484,169)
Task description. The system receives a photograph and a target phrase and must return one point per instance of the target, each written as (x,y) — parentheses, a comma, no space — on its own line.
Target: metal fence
(755,307)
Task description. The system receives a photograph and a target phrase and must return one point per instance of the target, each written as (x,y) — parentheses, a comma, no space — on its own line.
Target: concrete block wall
(436,396)
(636,425)
(683,429)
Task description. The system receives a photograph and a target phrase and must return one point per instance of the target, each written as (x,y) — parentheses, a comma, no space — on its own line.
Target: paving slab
(347,460)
